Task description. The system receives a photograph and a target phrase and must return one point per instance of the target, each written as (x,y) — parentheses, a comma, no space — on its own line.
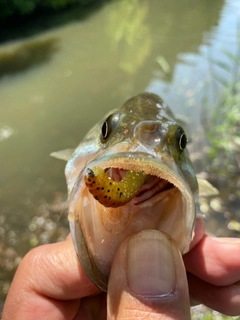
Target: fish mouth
(164,202)
(162,176)
(152,186)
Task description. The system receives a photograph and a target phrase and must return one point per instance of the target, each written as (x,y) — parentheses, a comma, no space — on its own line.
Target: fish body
(141,136)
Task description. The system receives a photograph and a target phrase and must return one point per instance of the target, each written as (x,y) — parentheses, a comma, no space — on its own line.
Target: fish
(131,172)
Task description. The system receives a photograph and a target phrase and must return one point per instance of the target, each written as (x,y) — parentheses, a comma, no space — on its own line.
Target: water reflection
(19,58)
(29,26)
(129,34)
(5,133)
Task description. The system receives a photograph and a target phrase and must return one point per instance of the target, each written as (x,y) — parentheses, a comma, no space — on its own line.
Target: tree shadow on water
(18,58)
(20,27)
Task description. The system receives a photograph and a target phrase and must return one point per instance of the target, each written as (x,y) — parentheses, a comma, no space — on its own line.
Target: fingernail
(150,264)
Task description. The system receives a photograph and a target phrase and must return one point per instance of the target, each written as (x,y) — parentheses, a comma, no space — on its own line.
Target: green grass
(223,126)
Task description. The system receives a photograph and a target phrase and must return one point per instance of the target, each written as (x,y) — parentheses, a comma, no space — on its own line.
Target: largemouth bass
(131,172)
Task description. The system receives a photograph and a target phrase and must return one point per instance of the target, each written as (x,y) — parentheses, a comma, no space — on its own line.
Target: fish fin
(65,154)
(206,189)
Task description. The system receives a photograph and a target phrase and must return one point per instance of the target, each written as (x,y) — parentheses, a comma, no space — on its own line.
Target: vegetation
(223,127)
(210,315)
(9,8)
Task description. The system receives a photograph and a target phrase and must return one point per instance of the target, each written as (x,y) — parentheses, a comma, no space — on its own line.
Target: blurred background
(64,64)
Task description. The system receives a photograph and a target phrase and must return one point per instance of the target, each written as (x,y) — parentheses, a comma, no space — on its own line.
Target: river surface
(59,75)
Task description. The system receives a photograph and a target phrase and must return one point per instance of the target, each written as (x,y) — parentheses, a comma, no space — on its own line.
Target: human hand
(147,280)
(50,283)
(213,266)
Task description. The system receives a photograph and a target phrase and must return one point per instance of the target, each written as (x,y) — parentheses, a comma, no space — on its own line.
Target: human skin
(147,281)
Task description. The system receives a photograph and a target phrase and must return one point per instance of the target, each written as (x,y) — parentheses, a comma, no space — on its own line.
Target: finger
(57,273)
(225,299)
(215,260)
(148,279)
(93,307)
(47,275)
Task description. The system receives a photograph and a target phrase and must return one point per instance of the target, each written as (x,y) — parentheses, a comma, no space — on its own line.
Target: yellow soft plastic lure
(109,192)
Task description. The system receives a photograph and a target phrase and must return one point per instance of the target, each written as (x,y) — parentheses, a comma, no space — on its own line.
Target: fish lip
(163,167)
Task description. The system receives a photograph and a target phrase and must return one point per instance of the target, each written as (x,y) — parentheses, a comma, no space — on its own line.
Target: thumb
(148,279)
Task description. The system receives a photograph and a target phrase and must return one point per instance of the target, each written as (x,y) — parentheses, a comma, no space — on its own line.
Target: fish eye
(105,130)
(109,125)
(181,139)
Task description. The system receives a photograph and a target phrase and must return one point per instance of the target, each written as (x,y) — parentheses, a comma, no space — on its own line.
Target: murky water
(55,84)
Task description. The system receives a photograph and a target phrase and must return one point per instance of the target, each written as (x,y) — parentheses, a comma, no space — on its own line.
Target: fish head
(140,139)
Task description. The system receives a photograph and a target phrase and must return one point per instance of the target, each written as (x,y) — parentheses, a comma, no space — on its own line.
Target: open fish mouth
(163,202)
(161,175)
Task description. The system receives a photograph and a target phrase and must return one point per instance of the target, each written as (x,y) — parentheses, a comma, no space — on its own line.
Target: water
(56,83)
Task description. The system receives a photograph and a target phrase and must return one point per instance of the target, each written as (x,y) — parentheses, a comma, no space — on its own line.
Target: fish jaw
(97,231)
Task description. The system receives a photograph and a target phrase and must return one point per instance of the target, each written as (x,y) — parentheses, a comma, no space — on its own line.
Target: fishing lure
(111,193)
